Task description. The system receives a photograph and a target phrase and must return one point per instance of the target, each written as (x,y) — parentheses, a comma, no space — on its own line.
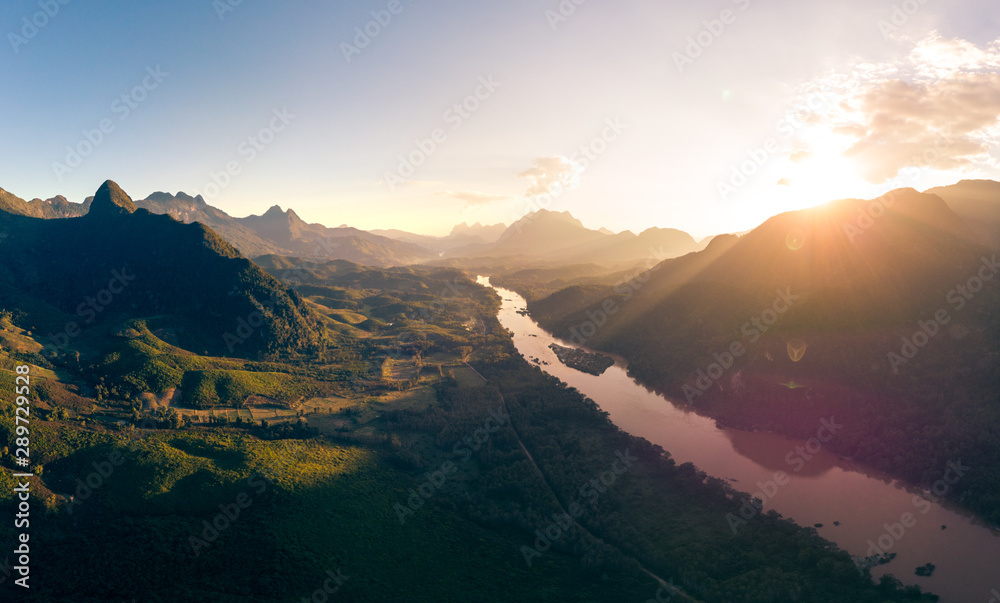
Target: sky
(708,117)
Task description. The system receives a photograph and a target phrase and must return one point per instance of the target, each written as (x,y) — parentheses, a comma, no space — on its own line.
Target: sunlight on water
(821,488)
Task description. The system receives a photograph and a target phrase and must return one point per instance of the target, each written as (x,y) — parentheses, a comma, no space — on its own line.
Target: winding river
(856,506)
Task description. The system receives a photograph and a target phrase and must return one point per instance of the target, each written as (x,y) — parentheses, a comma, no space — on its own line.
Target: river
(820,488)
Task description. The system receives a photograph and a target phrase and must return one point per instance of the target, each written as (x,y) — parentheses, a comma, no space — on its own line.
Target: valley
(452,302)
(847,502)
(379,388)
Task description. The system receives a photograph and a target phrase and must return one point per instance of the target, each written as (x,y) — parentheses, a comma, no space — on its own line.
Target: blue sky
(790,87)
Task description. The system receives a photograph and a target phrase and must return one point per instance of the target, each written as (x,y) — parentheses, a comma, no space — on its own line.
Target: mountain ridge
(185,272)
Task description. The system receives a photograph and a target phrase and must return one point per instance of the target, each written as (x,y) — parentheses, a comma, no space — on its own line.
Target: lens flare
(795,239)
(796,349)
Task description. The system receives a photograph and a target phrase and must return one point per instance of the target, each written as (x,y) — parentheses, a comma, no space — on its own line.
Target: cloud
(937,107)
(552,175)
(474,198)
(939,125)
(799,156)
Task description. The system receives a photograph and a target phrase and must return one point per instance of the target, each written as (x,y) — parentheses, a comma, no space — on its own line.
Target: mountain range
(68,275)
(881,312)
(540,238)
(559,238)
(460,236)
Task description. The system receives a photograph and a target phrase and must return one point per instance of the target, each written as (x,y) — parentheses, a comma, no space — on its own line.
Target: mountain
(892,266)
(276,232)
(883,311)
(188,209)
(978,202)
(56,207)
(279,232)
(544,232)
(70,274)
(558,237)
(428,241)
(659,243)
(460,236)
(486,234)
(293,235)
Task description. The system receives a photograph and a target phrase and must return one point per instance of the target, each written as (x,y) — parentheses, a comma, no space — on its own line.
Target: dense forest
(897,335)
(415,487)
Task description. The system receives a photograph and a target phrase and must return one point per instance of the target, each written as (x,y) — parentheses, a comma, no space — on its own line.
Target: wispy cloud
(938,107)
(474,198)
(551,175)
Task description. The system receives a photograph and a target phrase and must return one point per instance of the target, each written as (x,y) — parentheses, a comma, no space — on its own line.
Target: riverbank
(851,503)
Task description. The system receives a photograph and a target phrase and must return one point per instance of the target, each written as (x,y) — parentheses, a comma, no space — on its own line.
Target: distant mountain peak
(186,197)
(274,211)
(488,232)
(161,197)
(111,201)
(546,216)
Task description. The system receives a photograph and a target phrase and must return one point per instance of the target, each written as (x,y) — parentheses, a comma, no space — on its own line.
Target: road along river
(858,508)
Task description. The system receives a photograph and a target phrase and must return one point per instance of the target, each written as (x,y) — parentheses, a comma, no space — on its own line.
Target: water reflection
(776,453)
(852,503)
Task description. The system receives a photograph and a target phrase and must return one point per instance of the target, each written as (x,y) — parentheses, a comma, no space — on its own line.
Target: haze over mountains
(558,237)
(978,202)
(882,313)
(461,235)
(818,300)
(543,237)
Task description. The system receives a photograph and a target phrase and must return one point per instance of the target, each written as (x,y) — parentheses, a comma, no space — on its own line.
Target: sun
(818,172)
(819,178)
(810,171)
